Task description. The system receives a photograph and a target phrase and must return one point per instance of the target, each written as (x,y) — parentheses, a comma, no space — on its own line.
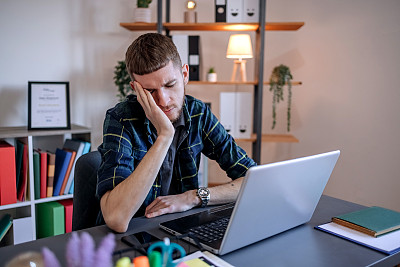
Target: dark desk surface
(301,246)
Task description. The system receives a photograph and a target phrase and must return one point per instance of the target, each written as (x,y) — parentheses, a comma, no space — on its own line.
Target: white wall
(346,55)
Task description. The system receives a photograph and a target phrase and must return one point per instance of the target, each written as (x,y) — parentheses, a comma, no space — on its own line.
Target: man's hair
(151,52)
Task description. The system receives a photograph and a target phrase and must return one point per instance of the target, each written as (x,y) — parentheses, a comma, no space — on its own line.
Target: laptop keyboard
(212,231)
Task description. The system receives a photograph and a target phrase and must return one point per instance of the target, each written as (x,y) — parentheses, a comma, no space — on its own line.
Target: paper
(388,243)
(202,259)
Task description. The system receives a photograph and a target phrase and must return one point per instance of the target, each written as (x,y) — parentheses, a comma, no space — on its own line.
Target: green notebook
(5,225)
(50,219)
(373,221)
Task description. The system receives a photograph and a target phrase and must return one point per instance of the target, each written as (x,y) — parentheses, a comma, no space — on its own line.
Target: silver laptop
(273,198)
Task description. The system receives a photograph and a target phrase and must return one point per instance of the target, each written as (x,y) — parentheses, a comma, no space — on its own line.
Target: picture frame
(48,105)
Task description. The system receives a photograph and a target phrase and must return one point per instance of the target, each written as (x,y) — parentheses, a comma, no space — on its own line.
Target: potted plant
(142,13)
(121,80)
(279,77)
(211,75)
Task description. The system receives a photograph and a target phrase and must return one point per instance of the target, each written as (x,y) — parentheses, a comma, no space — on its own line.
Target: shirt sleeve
(221,147)
(117,157)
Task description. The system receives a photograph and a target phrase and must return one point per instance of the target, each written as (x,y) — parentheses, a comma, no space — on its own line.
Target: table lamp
(239,47)
(190,16)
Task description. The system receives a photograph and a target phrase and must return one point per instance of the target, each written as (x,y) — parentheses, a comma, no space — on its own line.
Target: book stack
(374,227)
(53,172)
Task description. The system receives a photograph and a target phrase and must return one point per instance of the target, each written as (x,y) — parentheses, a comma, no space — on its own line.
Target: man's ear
(132,87)
(185,72)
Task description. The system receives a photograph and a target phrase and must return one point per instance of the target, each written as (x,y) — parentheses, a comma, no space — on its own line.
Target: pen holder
(167,249)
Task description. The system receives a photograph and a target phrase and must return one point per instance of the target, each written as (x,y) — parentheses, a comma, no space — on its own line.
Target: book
(86,149)
(61,165)
(43,174)
(8,188)
(18,161)
(67,173)
(50,219)
(68,210)
(388,243)
(51,162)
(36,174)
(373,221)
(24,175)
(5,225)
(77,146)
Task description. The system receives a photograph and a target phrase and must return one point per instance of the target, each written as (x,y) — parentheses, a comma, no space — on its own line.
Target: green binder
(50,219)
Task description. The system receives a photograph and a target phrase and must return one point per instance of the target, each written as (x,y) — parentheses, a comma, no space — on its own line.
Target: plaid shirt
(127,136)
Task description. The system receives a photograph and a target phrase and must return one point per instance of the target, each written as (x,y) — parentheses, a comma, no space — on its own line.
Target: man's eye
(170,85)
(151,91)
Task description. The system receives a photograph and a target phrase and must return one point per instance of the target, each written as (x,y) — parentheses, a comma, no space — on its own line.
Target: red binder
(68,207)
(8,188)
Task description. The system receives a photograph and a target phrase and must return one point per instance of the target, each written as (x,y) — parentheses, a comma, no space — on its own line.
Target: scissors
(167,250)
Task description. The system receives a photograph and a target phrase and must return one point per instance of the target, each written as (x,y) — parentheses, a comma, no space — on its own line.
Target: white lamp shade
(239,46)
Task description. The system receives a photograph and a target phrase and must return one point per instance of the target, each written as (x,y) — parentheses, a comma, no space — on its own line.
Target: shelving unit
(260,28)
(47,140)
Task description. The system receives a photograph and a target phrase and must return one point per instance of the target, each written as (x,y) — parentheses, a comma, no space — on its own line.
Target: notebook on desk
(273,198)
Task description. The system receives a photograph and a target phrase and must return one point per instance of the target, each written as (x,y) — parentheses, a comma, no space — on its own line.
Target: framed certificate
(48,105)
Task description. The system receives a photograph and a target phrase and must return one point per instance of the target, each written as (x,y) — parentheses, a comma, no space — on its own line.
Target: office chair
(86,204)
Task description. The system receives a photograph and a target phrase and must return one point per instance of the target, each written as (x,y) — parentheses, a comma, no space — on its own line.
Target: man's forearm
(120,204)
(225,193)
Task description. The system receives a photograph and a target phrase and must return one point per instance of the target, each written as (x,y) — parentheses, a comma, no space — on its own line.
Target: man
(153,141)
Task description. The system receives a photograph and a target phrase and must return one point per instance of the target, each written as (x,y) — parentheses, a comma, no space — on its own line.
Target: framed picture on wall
(48,105)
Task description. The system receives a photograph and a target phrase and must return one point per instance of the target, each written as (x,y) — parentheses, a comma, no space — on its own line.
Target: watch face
(203,192)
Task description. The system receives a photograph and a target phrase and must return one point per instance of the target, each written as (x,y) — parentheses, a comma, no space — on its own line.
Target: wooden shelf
(215,26)
(232,83)
(276,138)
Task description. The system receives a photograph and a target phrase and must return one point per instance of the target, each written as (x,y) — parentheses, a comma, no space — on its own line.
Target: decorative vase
(142,14)
(212,77)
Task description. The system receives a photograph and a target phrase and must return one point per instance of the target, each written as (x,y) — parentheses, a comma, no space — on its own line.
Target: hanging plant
(121,80)
(279,77)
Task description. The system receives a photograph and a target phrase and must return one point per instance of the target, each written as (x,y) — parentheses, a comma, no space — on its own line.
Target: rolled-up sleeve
(220,146)
(116,152)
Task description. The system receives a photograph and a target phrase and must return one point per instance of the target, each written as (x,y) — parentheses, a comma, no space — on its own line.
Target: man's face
(167,86)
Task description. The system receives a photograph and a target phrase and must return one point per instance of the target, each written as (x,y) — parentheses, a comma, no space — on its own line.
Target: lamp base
(242,64)
(190,16)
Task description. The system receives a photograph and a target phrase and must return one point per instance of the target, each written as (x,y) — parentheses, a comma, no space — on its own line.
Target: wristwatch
(204,194)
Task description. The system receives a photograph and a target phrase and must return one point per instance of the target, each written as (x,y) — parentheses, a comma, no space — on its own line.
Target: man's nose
(162,98)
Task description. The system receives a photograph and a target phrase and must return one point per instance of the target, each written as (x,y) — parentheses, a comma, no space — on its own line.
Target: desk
(301,246)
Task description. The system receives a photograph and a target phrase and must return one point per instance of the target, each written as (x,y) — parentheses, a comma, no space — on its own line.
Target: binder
(251,10)
(62,161)
(68,210)
(227,102)
(43,174)
(220,10)
(234,11)
(78,146)
(181,42)
(50,219)
(8,187)
(236,113)
(36,174)
(243,115)
(194,58)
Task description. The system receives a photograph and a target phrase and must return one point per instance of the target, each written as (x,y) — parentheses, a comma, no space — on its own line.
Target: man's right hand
(153,112)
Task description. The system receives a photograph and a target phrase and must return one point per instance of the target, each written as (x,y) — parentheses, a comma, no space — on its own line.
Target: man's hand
(153,112)
(173,203)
